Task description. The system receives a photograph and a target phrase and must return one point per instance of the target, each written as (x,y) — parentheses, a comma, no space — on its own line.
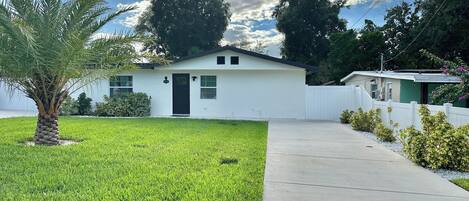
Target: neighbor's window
(120,84)
(374,90)
(234,60)
(208,87)
(389,90)
(220,60)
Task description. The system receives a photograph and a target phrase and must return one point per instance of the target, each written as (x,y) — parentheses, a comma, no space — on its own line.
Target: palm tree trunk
(47,130)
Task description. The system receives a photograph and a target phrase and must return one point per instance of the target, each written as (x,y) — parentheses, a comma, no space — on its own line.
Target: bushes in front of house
(346,116)
(365,121)
(125,105)
(439,145)
(69,107)
(80,106)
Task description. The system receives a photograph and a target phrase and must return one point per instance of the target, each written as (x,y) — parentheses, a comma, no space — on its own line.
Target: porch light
(194,78)
(166,81)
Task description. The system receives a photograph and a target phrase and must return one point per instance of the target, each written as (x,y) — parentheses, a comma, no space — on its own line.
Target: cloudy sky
(252,19)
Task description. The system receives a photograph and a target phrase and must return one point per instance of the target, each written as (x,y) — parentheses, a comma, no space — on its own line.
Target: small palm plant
(48,50)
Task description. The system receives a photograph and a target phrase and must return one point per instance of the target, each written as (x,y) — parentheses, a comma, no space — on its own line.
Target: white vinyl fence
(407,115)
(328,102)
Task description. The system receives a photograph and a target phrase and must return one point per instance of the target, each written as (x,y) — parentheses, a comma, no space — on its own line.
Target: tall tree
(400,30)
(371,44)
(448,33)
(307,25)
(47,51)
(350,52)
(342,58)
(183,27)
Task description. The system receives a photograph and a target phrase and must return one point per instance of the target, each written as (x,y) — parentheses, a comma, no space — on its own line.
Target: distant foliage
(365,121)
(80,106)
(307,25)
(125,105)
(450,93)
(69,107)
(346,116)
(180,27)
(439,145)
(84,104)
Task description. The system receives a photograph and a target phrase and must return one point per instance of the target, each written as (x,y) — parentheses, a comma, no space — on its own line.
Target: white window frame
(207,87)
(375,92)
(389,91)
(121,87)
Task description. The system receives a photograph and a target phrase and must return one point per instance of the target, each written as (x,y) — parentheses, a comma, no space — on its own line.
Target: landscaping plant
(383,133)
(69,107)
(125,105)
(439,145)
(84,104)
(365,121)
(450,93)
(49,50)
(345,116)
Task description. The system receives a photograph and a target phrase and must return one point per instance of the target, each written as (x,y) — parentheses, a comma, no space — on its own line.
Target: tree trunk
(47,130)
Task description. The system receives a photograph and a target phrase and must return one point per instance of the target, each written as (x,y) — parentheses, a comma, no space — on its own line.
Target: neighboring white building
(224,83)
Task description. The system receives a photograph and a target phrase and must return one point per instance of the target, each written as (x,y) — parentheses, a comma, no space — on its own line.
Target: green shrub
(84,104)
(414,143)
(440,145)
(384,134)
(365,121)
(125,105)
(345,116)
(69,107)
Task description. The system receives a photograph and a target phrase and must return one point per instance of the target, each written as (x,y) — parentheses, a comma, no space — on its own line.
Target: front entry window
(208,87)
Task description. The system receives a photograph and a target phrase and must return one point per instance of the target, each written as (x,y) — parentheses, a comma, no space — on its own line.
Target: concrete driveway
(328,161)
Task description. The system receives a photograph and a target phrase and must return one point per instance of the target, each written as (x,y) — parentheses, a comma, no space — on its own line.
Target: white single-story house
(402,86)
(223,83)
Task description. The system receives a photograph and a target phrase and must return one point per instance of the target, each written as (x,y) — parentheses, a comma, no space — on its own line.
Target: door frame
(188,94)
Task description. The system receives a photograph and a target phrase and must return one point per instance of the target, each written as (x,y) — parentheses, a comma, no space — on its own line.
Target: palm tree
(49,49)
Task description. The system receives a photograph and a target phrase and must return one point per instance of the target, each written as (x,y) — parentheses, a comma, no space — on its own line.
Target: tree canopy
(315,37)
(182,27)
(307,25)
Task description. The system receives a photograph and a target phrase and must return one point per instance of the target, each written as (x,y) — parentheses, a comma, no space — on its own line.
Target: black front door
(181,91)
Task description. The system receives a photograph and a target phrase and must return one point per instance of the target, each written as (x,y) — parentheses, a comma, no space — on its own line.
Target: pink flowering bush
(451,93)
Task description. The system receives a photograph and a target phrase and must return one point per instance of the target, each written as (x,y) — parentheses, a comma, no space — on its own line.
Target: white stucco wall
(254,89)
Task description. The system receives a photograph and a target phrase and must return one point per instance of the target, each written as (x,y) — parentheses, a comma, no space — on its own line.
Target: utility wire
(420,33)
(373,5)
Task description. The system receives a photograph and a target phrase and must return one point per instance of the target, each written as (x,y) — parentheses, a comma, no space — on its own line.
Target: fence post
(447,109)
(389,105)
(360,96)
(413,106)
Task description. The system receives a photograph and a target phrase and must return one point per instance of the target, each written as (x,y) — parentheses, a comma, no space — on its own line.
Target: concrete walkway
(328,161)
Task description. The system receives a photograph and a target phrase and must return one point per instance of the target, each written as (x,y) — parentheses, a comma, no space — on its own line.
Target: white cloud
(252,9)
(374,2)
(134,15)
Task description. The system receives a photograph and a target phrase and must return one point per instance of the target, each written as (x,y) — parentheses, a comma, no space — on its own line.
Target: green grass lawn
(134,159)
(464,183)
